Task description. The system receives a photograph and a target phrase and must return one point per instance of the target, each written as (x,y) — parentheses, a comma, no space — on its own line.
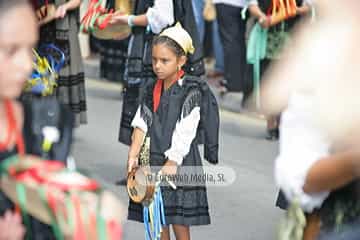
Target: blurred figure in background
(18,35)
(277,37)
(113,55)
(198,6)
(319,163)
(63,32)
(232,34)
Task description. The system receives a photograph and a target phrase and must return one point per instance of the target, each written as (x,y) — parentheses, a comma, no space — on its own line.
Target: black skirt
(187,205)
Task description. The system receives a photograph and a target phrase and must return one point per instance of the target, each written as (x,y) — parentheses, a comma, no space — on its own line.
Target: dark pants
(232,34)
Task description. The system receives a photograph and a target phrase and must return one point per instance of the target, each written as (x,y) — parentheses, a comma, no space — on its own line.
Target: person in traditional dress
(63,32)
(232,35)
(16,19)
(275,42)
(169,115)
(113,54)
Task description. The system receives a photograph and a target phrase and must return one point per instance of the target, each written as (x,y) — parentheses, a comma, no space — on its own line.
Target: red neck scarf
(11,130)
(158,89)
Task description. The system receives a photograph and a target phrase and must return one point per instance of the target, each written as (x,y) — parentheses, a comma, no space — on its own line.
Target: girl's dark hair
(174,46)
(6,5)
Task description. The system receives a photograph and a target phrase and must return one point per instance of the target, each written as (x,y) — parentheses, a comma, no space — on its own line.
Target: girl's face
(165,63)
(18,35)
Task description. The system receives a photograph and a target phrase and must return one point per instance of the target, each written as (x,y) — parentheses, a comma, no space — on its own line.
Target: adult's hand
(119,18)
(303,10)
(61,11)
(265,21)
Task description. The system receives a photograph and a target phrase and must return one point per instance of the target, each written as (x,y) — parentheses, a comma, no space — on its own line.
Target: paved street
(245,210)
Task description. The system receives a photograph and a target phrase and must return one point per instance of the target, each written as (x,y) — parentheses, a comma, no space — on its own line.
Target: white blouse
(160,15)
(183,135)
(301,145)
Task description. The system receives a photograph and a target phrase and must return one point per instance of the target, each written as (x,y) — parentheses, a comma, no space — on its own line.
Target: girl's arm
(137,139)
(136,142)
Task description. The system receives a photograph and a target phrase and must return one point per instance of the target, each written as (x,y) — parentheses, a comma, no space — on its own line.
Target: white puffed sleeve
(160,15)
(301,145)
(139,122)
(184,134)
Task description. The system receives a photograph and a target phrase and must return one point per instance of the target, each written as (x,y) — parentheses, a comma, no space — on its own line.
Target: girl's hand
(61,11)
(119,18)
(132,163)
(11,227)
(169,168)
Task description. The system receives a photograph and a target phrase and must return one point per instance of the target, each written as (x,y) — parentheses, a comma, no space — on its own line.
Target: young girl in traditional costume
(169,115)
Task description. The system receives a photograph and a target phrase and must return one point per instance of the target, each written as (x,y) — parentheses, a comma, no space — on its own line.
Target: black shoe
(273,134)
(121,182)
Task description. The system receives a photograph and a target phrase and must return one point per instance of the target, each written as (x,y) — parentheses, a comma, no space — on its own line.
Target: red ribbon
(95,8)
(158,89)
(79,231)
(12,128)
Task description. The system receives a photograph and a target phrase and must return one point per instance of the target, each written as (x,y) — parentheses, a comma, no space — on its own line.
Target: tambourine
(112,31)
(67,200)
(96,20)
(141,185)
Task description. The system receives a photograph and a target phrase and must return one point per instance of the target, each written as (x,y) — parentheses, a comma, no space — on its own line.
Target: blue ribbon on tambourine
(48,61)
